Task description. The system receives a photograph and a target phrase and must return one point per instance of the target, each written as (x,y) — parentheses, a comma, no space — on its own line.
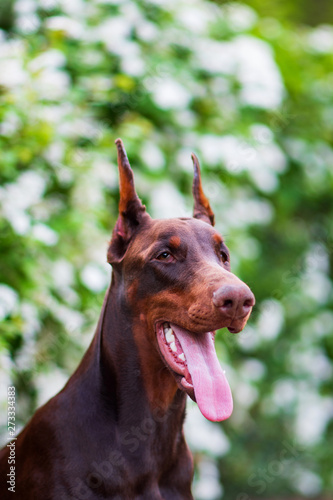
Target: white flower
(51,84)
(28,24)
(208,486)
(114,32)
(314,412)
(251,61)
(62,273)
(196,18)
(270,156)
(284,393)
(94,278)
(71,27)
(52,58)
(152,156)
(12,73)
(166,4)
(10,124)
(240,212)
(31,320)
(269,161)
(56,115)
(321,39)
(27,190)
(12,49)
(262,160)
(214,56)
(248,340)
(184,161)
(111,2)
(25,6)
(186,118)
(240,17)
(45,234)
(147,31)
(312,362)
(133,65)
(265,180)
(306,482)
(170,94)
(317,258)
(74,8)
(48,384)
(55,152)
(236,153)
(215,148)
(253,370)
(316,285)
(72,320)
(105,171)
(320,325)
(8,300)
(271,319)
(27,21)
(203,435)
(261,133)
(166,202)
(258,73)
(245,394)
(48,4)
(17,197)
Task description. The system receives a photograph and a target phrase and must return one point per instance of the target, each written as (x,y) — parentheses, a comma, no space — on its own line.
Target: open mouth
(193,360)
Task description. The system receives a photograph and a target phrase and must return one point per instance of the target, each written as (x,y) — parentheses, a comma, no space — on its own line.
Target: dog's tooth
(173,346)
(169,336)
(181,356)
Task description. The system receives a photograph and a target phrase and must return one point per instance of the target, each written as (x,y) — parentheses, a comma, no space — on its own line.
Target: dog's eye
(165,257)
(224,256)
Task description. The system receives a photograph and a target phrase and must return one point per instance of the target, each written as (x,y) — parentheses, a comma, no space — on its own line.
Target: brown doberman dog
(116,429)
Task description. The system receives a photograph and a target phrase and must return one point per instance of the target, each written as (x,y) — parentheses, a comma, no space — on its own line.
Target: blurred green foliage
(298,11)
(252,96)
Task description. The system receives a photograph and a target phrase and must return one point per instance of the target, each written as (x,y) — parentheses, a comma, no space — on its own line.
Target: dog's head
(175,276)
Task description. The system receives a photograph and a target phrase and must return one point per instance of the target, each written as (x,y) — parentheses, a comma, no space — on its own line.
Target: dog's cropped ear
(131,211)
(202,209)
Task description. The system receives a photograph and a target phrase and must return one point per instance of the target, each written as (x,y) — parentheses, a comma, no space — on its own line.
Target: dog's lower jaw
(192,359)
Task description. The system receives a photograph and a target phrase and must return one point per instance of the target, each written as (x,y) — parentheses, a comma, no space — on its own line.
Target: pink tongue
(211,388)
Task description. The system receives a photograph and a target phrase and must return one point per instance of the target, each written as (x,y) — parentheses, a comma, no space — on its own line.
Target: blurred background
(248,86)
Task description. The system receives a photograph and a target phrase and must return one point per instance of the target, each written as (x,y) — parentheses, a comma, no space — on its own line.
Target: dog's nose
(234,300)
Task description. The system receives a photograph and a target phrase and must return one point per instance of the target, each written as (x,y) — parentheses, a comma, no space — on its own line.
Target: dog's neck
(128,352)
(129,374)
(111,376)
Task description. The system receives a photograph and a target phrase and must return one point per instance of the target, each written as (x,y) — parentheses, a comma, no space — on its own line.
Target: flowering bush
(253,99)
